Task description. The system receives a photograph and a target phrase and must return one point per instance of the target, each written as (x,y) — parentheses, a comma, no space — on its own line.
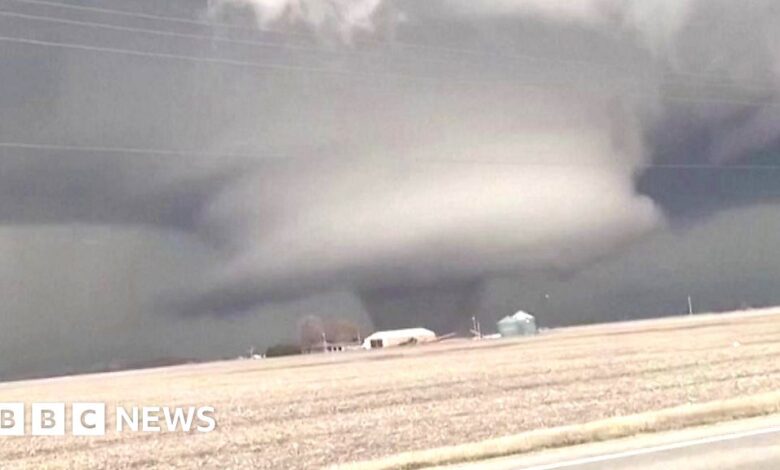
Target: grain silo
(519,324)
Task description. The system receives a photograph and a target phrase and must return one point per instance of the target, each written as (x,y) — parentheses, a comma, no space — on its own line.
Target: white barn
(383,339)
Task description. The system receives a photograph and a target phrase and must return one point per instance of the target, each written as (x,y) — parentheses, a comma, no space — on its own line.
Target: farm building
(519,324)
(326,346)
(383,339)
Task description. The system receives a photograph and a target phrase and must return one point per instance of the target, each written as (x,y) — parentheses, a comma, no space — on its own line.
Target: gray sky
(375,160)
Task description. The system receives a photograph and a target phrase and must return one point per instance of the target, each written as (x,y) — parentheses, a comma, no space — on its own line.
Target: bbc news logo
(89,419)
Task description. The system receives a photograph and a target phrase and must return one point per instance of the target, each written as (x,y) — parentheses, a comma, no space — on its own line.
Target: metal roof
(404,333)
(520,315)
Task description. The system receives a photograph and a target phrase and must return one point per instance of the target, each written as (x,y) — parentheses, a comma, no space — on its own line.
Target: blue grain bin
(519,324)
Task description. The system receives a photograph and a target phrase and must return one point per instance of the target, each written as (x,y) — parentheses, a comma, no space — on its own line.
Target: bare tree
(338,330)
(311,332)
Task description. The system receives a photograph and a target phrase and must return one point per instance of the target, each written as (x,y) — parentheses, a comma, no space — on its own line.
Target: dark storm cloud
(46,187)
(520,139)
(630,77)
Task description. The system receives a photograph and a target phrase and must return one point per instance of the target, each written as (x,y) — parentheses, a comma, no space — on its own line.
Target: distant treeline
(313,331)
(279,350)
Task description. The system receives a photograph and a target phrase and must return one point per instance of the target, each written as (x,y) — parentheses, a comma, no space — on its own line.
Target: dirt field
(306,412)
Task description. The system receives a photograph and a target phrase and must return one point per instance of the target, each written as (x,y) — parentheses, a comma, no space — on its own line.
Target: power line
(273,45)
(262,44)
(352,74)
(207,60)
(155,32)
(172,152)
(148,16)
(193,36)
(709,166)
(126,150)
(753,86)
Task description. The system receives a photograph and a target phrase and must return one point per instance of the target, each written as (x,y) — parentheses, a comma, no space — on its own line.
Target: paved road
(741,445)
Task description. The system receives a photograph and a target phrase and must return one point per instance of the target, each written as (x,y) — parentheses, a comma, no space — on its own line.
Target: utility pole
(690,306)
(476,330)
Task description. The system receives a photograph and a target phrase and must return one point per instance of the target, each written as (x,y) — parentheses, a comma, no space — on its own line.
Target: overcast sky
(191,188)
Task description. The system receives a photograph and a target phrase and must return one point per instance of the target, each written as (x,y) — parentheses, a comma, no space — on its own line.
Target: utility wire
(205,60)
(171,152)
(276,45)
(157,32)
(212,38)
(754,86)
(148,16)
(349,73)
(126,150)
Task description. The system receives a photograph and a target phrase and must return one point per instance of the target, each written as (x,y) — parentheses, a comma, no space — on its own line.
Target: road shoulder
(606,451)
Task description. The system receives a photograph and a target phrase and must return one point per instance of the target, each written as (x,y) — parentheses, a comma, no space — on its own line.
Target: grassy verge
(612,428)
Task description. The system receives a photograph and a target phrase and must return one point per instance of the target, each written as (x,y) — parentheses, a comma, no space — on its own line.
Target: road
(752,444)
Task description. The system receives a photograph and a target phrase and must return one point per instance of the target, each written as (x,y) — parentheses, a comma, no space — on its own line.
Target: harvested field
(306,412)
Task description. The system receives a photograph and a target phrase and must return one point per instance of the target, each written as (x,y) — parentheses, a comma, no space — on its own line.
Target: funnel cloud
(413,163)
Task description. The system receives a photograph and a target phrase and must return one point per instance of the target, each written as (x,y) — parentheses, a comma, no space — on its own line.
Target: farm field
(317,410)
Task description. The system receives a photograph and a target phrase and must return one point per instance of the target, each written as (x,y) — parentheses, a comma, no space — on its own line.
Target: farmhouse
(383,339)
(327,346)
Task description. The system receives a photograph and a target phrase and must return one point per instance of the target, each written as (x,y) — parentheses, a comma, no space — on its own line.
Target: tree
(338,330)
(279,350)
(311,332)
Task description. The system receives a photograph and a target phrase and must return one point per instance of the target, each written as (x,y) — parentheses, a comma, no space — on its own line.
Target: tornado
(443,309)
(404,152)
